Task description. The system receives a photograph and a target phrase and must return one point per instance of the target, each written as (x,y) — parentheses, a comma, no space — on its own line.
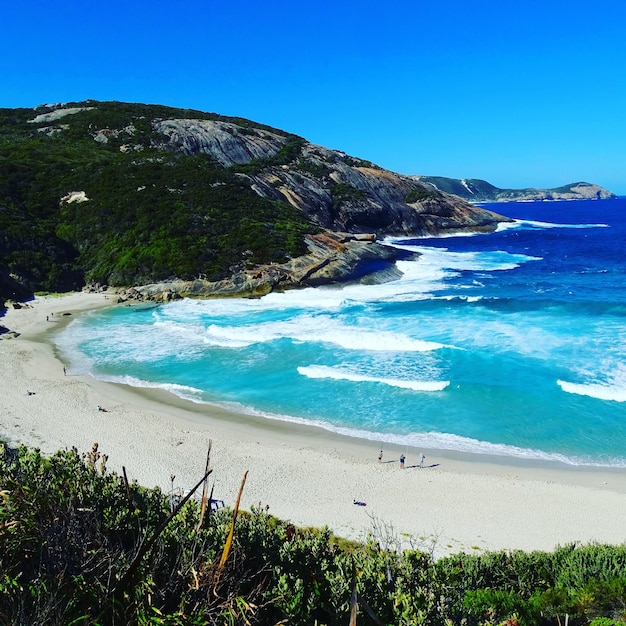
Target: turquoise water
(511,343)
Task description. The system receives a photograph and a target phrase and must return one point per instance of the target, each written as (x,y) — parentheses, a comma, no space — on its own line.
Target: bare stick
(146,545)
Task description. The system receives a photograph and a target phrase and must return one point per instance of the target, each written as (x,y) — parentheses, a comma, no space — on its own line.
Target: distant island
(477,190)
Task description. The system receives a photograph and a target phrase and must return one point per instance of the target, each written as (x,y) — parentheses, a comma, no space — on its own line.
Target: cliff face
(334,190)
(226,143)
(476,190)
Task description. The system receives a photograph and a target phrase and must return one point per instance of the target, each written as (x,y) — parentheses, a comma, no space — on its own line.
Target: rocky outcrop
(75,196)
(334,190)
(151,209)
(582,191)
(361,198)
(57,113)
(6,333)
(331,258)
(476,190)
(226,143)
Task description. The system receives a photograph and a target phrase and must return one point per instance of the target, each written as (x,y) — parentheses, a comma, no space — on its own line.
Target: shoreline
(311,476)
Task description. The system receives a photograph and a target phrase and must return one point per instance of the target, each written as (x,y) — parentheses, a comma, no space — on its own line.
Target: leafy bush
(344,192)
(71,533)
(418,194)
(316,169)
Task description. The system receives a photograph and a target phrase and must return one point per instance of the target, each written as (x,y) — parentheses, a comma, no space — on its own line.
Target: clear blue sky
(527,93)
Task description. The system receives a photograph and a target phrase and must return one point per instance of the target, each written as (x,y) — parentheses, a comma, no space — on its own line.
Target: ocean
(511,343)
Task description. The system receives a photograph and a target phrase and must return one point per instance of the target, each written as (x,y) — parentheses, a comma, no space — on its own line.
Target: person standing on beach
(402,458)
(380,457)
(422,457)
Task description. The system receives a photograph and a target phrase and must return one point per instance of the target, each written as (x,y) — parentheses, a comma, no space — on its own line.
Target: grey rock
(331,258)
(335,191)
(225,142)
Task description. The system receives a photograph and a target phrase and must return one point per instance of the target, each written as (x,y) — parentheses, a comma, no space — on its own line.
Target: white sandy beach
(304,474)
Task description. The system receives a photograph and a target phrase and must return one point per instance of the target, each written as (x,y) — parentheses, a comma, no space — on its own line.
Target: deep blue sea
(511,343)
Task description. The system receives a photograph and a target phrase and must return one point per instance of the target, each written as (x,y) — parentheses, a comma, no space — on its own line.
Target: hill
(476,190)
(128,194)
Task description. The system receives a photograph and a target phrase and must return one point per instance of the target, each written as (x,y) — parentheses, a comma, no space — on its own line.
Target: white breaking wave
(182,333)
(502,226)
(613,388)
(316,329)
(234,336)
(323,371)
(599,391)
(182,391)
(536,224)
(439,259)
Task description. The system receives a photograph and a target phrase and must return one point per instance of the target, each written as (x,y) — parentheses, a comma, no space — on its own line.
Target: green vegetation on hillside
(343,192)
(417,195)
(289,153)
(80,545)
(151,214)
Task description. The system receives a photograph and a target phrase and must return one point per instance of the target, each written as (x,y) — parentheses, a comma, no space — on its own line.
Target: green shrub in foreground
(70,530)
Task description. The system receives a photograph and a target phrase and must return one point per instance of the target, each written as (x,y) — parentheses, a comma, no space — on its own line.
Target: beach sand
(456,502)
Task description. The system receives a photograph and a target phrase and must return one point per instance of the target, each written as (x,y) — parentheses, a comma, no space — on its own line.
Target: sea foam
(317,329)
(182,391)
(323,371)
(616,393)
(437,260)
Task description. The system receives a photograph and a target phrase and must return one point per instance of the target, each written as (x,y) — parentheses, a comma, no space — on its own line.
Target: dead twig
(204,490)
(231,533)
